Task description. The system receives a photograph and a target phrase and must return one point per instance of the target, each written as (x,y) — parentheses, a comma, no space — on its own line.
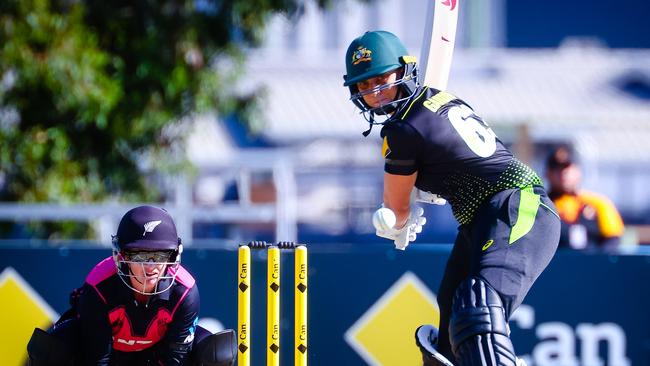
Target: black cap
(147,228)
(560,158)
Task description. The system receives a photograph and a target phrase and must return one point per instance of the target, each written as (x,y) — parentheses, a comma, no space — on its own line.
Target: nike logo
(488,244)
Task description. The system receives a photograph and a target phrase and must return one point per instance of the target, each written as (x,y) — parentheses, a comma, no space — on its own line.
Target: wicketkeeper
(137,307)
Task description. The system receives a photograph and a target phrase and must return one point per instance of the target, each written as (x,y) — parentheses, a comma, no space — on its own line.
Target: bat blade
(438,42)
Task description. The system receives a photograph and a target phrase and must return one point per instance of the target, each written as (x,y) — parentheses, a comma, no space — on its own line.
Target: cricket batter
(436,143)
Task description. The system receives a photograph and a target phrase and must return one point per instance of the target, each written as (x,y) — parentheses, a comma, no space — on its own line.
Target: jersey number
(478,137)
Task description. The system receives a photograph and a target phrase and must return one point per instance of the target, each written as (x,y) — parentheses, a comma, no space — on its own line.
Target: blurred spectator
(588,219)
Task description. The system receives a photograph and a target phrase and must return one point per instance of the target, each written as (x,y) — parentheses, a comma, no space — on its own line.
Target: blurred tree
(94,92)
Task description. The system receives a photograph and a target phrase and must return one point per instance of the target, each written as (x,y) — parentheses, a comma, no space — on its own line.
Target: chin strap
(370,117)
(367,132)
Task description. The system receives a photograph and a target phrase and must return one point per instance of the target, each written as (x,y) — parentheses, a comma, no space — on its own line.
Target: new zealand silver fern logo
(149,226)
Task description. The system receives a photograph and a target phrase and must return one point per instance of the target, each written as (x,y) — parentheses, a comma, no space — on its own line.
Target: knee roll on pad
(478,328)
(45,349)
(219,349)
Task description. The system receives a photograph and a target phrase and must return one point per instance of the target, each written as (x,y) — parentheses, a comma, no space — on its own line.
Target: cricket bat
(438,42)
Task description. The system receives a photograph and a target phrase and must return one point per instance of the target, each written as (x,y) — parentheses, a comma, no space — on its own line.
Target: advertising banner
(365,301)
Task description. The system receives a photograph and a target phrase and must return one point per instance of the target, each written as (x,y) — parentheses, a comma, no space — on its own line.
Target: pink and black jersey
(118,330)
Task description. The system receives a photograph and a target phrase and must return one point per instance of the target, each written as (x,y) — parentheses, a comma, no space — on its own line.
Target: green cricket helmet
(373,54)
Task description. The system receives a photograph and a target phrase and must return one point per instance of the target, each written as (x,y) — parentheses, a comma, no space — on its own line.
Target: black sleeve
(96,337)
(177,343)
(401,145)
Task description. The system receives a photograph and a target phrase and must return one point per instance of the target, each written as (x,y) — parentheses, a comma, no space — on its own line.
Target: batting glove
(404,236)
(428,197)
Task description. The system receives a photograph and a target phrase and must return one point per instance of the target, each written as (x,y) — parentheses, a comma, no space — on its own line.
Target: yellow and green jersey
(455,153)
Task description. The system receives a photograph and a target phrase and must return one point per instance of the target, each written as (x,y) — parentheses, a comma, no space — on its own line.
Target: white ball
(384,219)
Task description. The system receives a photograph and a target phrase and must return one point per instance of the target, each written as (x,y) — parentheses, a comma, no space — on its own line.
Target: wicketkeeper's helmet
(147,235)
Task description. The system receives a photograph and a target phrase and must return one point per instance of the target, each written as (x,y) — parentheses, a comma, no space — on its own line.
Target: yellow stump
(300,309)
(244,307)
(273,307)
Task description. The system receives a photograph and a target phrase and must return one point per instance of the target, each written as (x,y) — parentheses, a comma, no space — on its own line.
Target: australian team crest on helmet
(360,55)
